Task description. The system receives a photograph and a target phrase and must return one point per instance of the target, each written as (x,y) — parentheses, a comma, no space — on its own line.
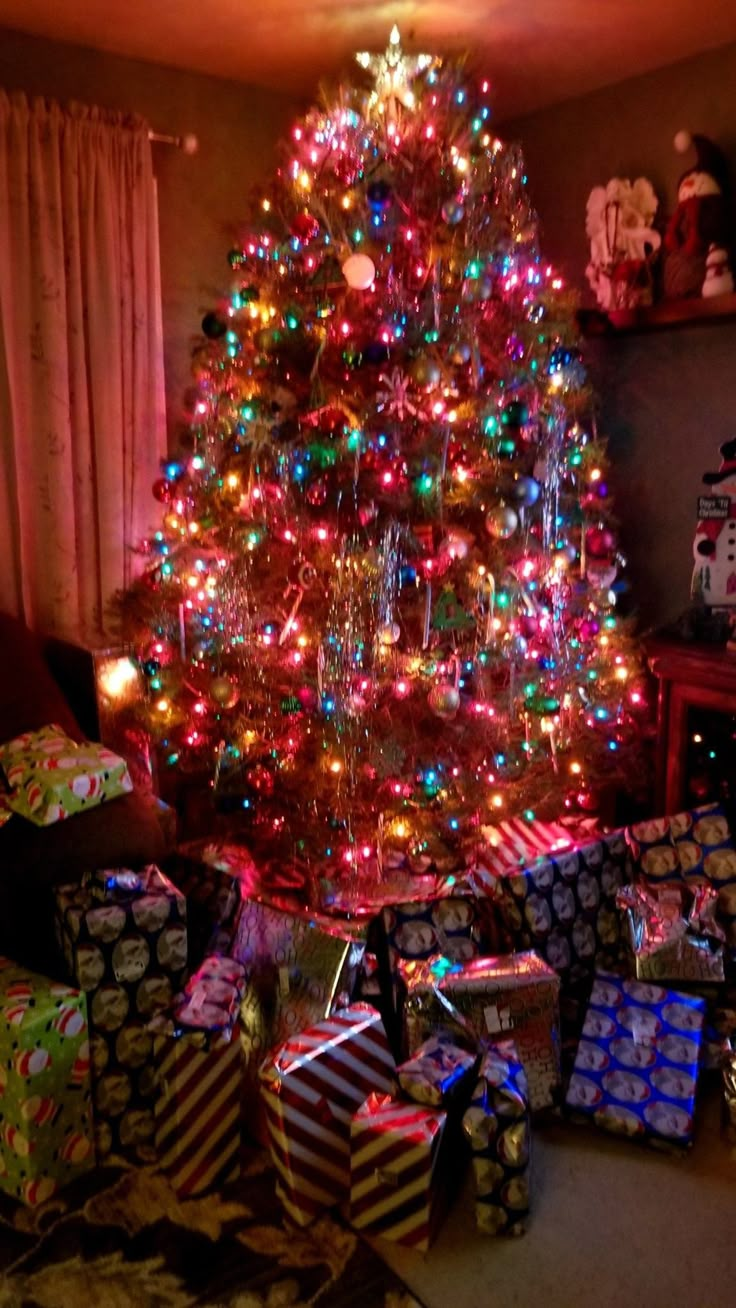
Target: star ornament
(394,72)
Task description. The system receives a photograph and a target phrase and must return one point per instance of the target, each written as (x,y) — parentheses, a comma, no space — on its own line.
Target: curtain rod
(188,144)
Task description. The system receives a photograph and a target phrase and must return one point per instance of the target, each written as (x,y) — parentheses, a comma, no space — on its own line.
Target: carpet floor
(612,1224)
(123,1240)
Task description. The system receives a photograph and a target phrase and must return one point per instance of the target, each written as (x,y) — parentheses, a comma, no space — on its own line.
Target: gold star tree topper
(394,72)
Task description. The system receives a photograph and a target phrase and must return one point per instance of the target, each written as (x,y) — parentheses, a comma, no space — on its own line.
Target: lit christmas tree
(379,611)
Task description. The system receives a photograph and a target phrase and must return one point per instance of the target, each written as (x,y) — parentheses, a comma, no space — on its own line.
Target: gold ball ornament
(444,700)
(359,272)
(223,692)
(501,522)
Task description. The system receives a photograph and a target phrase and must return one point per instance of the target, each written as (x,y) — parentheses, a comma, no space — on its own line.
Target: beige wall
(668,399)
(201,197)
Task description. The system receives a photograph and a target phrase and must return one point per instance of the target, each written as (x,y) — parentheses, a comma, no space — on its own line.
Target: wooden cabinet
(689,676)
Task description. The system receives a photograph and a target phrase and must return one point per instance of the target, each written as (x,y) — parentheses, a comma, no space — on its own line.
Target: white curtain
(82,415)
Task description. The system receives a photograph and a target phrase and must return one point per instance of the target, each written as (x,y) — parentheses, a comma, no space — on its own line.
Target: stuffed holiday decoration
(714,548)
(622,242)
(696,241)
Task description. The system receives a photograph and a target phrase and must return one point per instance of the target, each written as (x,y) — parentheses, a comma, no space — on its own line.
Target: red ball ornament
(317,492)
(599,542)
(162,490)
(260,779)
(305,226)
(587,800)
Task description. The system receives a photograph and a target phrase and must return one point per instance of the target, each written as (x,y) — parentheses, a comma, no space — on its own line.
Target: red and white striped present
(394,1190)
(198,1111)
(311,1086)
(512,846)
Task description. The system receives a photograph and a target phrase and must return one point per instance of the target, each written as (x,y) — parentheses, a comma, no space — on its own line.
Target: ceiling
(537,52)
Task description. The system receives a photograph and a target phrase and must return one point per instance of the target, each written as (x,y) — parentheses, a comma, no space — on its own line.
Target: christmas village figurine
(714,547)
(623,243)
(697,238)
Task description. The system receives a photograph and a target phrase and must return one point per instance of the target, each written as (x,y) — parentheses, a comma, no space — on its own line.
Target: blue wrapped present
(497,1128)
(636,1067)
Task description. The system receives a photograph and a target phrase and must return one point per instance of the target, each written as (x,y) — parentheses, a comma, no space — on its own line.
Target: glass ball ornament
(453,211)
(455,544)
(260,779)
(600,542)
(460,353)
(317,492)
(213,326)
(222,691)
(305,226)
(425,371)
(514,414)
(501,521)
(601,573)
(359,271)
(380,194)
(526,491)
(162,490)
(444,699)
(389,633)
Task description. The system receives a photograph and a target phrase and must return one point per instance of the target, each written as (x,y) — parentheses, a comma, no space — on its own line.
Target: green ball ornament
(425,371)
(444,700)
(514,414)
(501,522)
(223,692)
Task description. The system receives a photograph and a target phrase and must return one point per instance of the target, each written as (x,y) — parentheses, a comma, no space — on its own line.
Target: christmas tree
(380,610)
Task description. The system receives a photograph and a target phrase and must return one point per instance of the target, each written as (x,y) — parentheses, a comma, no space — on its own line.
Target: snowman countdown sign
(714,547)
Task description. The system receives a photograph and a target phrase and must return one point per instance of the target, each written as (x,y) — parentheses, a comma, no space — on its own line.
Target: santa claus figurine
(714,547)
(700,223)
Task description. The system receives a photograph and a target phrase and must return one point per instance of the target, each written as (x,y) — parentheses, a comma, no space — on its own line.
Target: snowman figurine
(714,547)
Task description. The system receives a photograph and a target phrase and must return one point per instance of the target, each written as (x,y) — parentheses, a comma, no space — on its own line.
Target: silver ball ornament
(453,212)
(501,522)
(426,372)
(444,700)
(389,633)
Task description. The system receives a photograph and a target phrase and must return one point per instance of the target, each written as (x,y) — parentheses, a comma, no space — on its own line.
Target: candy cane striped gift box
(198,1112)
(394,1148)
(311,1086)
(512,846)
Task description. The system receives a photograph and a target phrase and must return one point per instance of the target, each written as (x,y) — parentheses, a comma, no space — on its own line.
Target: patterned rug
(122,1239)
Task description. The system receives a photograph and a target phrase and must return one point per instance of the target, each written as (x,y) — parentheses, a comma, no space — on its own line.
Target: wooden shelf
(657,317)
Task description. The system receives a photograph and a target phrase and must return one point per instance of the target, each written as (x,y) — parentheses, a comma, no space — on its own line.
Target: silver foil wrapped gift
(672,933)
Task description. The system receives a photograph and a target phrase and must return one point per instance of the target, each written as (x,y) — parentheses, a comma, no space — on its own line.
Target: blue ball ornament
(526,491)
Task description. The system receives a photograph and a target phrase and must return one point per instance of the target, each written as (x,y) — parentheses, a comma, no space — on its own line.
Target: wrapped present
(436,1072)
(512,995)
(448,926)
(301,967)
(199,1061)
(669,939)
(555,898)
(45,1101)
(214,877)
(636,1068)
(696,843)
(729,1092)
(691,846)
(51,777)
(128,951)
(311,1087)
(497,1128)
(396,1182)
